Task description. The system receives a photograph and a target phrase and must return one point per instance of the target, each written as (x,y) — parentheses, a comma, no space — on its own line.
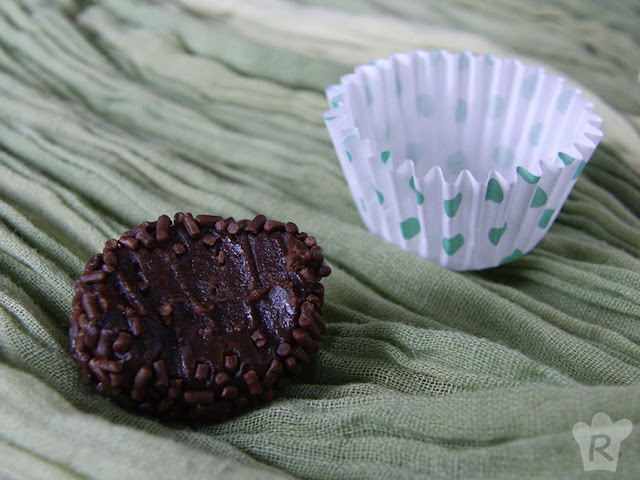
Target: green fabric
(113,112)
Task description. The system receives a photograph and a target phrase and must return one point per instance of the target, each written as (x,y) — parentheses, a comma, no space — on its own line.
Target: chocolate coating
(200,318)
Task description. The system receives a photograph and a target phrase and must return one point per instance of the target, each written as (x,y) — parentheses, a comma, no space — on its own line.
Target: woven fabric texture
(116,111)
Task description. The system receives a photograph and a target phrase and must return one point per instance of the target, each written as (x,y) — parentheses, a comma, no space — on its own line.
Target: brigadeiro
(199,318)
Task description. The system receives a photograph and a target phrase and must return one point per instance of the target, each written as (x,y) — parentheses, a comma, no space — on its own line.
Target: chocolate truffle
(199,318)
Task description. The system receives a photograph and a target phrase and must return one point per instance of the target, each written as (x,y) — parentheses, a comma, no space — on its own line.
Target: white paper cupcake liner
(464,160)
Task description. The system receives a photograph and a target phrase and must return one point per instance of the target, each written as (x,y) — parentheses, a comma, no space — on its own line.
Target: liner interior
(461,112)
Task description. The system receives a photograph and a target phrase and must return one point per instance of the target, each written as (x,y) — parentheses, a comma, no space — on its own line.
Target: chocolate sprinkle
(201,318)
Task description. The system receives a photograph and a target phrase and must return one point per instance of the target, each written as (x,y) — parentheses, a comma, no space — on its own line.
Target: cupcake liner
(464,160)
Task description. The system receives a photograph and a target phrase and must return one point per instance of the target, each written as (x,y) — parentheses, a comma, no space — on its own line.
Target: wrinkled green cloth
(116,111)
